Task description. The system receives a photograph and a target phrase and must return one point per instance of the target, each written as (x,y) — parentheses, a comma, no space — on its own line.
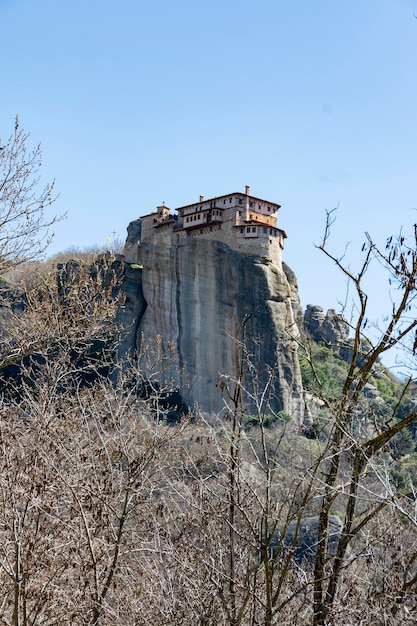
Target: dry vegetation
(108,515)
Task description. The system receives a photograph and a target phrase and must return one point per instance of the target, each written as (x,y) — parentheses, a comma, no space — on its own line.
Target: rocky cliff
(190,306)
(330,328)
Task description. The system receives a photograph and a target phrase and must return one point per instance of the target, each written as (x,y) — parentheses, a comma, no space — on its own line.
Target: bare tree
(301,531)
(108,515)
(84,471)
(352,455)
(25,227)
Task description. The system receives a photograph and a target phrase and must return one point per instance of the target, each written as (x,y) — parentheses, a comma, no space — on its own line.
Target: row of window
(194,218)
(240,201)
(248,229)
(252,229)
(260,207)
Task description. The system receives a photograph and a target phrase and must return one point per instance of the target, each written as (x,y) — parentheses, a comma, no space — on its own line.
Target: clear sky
(310,102)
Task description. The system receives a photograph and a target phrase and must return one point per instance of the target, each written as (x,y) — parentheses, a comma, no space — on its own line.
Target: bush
(251,421)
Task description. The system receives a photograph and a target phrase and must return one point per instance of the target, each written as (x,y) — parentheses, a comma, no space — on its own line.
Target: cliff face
(195,302)
(331,327)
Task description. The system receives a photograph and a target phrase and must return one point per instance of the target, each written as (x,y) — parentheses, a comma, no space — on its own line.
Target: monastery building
(245,223)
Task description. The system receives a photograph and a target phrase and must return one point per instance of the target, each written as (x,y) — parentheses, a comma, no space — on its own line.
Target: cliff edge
(190,306)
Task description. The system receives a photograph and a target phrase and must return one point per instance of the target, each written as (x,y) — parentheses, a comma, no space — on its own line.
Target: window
(248,230)
(230,200)
(241,231)
(265,230)
(240,200)
(254,229)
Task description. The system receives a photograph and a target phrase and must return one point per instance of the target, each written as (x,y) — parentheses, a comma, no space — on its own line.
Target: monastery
(199,272)
(245,223)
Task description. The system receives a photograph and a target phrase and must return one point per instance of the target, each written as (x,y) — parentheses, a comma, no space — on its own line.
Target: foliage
(329,372)
(268,421)
(404,473)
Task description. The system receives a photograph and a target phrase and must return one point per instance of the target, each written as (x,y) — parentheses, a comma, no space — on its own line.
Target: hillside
(112,512)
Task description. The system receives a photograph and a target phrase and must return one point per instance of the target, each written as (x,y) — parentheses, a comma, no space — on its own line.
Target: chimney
(247,190)
(201,198)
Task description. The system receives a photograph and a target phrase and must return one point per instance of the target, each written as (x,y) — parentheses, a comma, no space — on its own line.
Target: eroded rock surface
(331,327)
(196,302)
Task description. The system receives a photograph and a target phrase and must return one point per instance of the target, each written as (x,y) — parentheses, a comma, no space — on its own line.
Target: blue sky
(310,102)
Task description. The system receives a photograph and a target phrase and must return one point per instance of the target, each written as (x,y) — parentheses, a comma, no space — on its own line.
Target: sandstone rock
(313,320)
(196,301)
(295,298)
(130,313)
(335,329)
(331,328)
(132,244)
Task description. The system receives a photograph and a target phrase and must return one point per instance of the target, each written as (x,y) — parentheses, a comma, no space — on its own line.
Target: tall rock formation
(331,327)
(193,301)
